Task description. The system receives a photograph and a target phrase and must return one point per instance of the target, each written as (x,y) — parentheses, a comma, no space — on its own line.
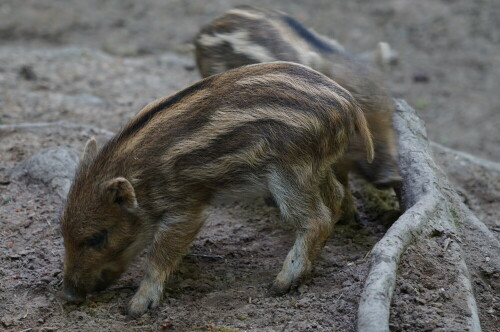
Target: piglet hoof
(278,289)
(281,285)
(141,303)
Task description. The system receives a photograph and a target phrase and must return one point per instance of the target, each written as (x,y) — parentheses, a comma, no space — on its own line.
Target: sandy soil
(96,63)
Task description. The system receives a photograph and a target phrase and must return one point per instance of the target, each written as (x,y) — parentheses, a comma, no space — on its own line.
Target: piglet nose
(71,294)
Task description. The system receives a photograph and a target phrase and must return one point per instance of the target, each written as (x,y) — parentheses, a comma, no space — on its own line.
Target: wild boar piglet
(246,35)
(277,127)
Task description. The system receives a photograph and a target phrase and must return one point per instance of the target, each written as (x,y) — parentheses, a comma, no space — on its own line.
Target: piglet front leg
(149,294)
(171,242)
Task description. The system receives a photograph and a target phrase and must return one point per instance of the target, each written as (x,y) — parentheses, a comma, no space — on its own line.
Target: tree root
(431,205)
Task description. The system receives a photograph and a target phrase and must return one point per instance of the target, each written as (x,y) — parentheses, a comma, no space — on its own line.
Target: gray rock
(54,166)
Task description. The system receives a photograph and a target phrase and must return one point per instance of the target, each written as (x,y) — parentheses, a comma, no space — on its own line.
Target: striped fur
(276,126)
(246,35)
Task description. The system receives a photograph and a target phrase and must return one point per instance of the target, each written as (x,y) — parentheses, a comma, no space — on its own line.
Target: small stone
(420,300)
(7,321)
(241,316)
(166,324)
(347,283)
(46,279)
(25,252)
(303,303)
(421,78)
(302,289)
(48,329)
(121,49)
(27,73)
(53,166)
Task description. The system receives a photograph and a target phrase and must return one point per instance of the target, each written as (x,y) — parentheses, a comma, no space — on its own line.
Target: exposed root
(431,205)
(470,158)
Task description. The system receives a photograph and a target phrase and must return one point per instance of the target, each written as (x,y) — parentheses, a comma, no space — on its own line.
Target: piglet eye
(97,240)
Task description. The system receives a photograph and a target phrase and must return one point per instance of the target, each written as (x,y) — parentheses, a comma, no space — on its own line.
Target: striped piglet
(277,127)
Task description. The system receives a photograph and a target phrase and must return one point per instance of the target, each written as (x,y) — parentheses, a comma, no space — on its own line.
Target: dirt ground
(97,63)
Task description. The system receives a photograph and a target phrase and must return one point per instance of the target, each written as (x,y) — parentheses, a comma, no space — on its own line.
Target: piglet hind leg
(350,213)
(171,242)
(332,193)
(303,202)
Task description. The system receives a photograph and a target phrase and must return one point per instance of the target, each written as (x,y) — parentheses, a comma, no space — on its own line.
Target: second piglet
(246,35)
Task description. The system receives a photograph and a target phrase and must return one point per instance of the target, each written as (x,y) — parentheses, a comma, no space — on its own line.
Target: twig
(57,124)
(206,256)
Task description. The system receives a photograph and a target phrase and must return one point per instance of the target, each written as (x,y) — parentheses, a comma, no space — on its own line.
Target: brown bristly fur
(246,35)
(276,126)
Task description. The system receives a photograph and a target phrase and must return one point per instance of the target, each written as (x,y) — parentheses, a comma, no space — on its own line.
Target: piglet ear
(120,191)
(90,151)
